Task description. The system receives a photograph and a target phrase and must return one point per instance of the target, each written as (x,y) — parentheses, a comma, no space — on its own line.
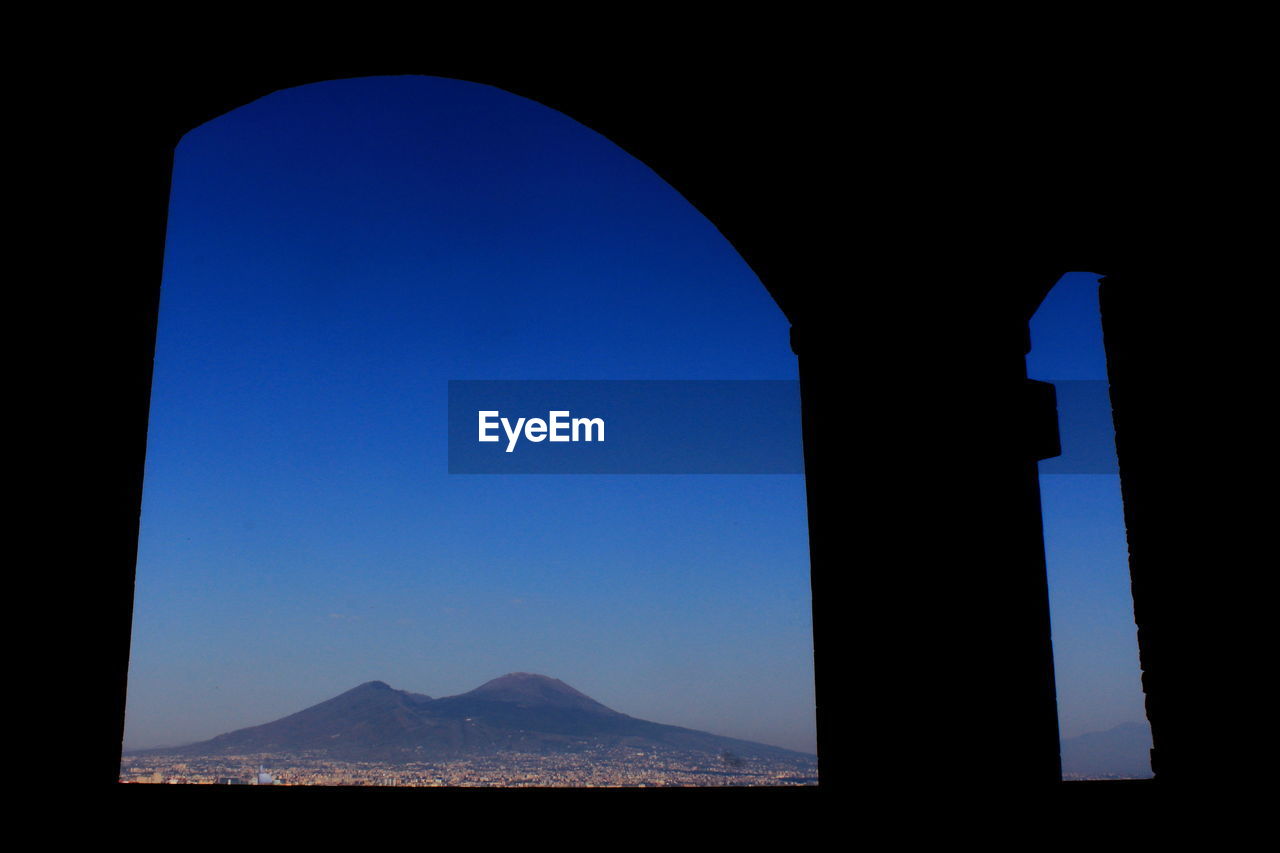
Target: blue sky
(335,254)
(1095,641)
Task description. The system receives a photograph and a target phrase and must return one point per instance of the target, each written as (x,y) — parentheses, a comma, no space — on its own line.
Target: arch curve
(870,289)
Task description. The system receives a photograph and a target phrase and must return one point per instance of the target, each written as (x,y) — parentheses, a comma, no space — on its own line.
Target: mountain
(519,712)
(1121,752)
(529,690)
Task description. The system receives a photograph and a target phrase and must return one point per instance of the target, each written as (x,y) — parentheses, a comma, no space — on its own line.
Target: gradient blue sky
(1095,640)
(335,254)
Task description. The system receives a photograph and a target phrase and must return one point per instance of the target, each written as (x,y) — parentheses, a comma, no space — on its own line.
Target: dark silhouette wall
(908,240)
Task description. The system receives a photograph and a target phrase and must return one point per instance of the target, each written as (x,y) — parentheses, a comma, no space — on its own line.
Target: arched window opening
(1102,720)
(337,253)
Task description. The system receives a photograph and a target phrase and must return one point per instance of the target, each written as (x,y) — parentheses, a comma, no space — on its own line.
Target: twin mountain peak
(518,712)
(525,689)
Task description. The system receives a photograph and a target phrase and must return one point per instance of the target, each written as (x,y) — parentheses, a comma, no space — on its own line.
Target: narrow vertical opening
(1102,721)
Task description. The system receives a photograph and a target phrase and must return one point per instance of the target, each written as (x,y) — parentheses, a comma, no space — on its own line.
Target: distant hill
(519,712)
(1121,752)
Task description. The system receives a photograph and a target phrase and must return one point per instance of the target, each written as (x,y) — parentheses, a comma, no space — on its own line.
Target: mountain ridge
(1122,751)
(516,712)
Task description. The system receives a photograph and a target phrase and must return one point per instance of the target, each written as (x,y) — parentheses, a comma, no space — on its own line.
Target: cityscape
(611,767)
